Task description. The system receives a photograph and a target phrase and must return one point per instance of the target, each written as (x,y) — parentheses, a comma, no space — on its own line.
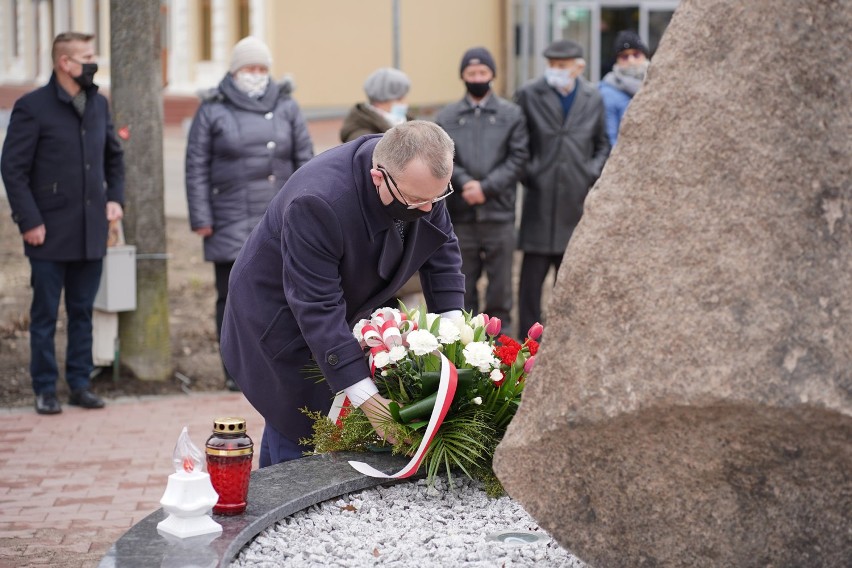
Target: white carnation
(448,332)
(422,342)
(478,354)
(381,359)
(430,319)
(356,331)
(477,401)
(496,375)
(397,353)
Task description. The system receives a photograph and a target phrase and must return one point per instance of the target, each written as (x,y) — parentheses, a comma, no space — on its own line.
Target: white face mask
(559,79)
(252,84)
(636,71)
(398,111)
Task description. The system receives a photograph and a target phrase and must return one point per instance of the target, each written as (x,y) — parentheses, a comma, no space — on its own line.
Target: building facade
(329,47)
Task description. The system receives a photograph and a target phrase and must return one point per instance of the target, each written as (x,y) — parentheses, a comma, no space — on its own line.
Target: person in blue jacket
(346,231)
(63,169)
(619,85)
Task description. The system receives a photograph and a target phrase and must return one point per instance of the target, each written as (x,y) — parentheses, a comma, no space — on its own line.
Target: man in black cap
(627,75)
(491,141)
(568,148)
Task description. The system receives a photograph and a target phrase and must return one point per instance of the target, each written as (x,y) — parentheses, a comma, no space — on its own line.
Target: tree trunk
(138,111)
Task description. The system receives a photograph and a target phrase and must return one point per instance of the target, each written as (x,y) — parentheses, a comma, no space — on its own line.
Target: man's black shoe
(47,403)
(232,385)
(85,398)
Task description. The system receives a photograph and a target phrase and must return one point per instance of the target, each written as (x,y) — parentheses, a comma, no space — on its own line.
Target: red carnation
(508,350)
(508,341)
(507,355)
(533,346)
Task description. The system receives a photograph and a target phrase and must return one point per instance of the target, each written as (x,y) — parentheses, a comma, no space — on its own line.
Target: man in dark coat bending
(340,238)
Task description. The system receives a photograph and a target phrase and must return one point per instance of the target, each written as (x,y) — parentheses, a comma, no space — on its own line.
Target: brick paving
(73,483)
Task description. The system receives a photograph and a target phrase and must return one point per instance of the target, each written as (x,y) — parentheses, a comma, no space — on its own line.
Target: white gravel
(409,524)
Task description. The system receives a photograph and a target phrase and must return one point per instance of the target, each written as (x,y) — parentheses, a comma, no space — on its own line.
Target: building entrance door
(594,25)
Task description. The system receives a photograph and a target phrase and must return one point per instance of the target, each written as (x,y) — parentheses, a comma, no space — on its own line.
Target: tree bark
(137,106)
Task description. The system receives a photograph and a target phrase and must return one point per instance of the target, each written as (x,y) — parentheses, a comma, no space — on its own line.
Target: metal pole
(396,47)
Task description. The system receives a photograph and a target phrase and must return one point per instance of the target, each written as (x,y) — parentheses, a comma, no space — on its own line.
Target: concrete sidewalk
(73,483)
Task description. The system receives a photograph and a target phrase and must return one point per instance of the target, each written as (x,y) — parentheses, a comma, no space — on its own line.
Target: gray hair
(416,139)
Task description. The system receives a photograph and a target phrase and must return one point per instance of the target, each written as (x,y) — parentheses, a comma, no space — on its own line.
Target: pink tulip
(535,331)
(528,366)
(494,326)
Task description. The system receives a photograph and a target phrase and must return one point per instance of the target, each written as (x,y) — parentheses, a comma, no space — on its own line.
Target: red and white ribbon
(340,407)
(446,392)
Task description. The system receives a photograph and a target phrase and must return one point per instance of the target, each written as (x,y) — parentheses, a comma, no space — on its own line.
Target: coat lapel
(549,101)
(422,240)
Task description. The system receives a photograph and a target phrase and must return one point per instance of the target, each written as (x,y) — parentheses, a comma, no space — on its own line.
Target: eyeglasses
(390,182)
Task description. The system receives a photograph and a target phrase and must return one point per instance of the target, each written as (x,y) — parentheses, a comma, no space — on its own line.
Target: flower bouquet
(454,386)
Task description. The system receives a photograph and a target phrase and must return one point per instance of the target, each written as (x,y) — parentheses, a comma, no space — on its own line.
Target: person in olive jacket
(386,89)
(63,169)
(247,138)
(568,149)
(491,140)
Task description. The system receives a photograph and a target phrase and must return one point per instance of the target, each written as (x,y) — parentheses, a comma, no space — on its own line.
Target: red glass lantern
(229,452)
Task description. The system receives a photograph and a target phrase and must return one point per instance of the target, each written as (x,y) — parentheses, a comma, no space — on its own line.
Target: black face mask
(86,78)
(399,210)
(477,90)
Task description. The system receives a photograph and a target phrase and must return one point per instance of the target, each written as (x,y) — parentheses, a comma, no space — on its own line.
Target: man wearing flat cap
(386,89)
(568,148)
(491,140)
(627,75)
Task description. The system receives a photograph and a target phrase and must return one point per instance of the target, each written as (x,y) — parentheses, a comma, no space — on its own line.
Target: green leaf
(393,407)
(418,409)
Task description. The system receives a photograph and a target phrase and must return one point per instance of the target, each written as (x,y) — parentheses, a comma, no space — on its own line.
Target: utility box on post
(117,292)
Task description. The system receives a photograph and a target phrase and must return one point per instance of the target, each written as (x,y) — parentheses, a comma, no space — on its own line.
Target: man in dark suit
(340,238)
(64,176)
(568,149)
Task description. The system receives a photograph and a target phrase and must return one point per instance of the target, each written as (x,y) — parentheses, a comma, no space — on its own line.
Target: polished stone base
(274,493)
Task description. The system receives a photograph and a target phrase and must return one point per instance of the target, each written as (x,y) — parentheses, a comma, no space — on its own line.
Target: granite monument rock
(692,401)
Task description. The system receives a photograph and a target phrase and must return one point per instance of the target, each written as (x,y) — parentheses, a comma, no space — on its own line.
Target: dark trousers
(276,448)
(223,272)
(80,280)
(534,270)
(487,248)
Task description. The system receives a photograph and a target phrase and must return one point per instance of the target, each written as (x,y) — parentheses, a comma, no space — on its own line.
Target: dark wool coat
(239,153)
(60,170)
(566,158)
(360,121)
(325,254)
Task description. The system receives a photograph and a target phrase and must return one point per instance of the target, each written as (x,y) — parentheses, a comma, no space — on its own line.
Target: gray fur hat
(386,84)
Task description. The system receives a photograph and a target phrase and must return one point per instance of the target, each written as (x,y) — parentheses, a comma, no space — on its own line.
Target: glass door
(653,20)
(579,21)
